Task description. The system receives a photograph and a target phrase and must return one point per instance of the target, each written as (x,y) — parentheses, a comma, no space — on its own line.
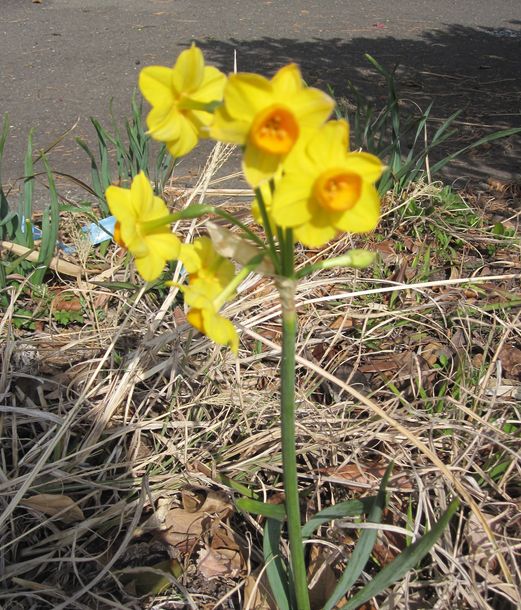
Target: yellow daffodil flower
(268,118)
(204,314)
(201,261)
(326,189)
(180,99)
(134,208)
(209,274)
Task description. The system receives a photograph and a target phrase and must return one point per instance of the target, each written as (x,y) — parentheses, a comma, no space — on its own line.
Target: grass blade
(4,206)
(272,511)
(505,133)
(350,508)
(50,222)
(276,571)
(24,233)
(406,561)
(363,549)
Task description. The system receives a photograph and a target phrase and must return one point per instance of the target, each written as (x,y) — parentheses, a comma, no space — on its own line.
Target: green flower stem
(267,228)
(192,211)
(242,275)
(189,104)
(356,259)
(196,210)
(289,456)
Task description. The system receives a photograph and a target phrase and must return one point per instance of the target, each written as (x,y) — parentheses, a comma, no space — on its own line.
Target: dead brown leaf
(231,245)
(341,322)
(52,504)
(66,301)
(510,357)
(220,562)
(202,511)
(367,474)
(321,578)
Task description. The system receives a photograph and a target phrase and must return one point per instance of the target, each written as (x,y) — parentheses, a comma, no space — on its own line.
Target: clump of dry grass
(416,364)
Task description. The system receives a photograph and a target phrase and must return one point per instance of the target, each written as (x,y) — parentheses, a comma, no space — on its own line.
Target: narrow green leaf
(239,487)
(350,508)
(405,561)
(5,215)
(364,547)
(97,186)
(505,133)
(24,234)
(276,571)
(50,222)
(272,511)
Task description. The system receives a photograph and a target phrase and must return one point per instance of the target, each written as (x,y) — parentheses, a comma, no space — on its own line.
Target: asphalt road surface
(62,61)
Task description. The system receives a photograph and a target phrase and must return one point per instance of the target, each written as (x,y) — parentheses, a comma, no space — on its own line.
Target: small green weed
(120,157)
(18,226)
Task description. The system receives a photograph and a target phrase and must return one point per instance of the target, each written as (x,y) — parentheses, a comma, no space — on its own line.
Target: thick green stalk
(289,458)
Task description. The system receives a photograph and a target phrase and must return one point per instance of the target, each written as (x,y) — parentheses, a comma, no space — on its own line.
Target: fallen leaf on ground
(510,357)
(202,511)
(368,474)
(51,504)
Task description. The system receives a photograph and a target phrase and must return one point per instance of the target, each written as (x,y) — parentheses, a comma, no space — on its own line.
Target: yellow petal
(141,194)
(364,216)
(195,318)
(120,203)
(315,233)
(155,83)
(129,236)
(328,147)
(200,293)
(220,330)
(258,166)
(150,267)
(287,81)
(163,124)
(246,94)
(312,107)
(156,209)
(212,87)
(366,165)
(164,244)
(188,70)
(190,258)
(226,129)
(291,201)
(200,121)
(186,140)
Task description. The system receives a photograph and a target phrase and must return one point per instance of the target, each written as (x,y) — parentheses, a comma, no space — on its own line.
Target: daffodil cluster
(308,185)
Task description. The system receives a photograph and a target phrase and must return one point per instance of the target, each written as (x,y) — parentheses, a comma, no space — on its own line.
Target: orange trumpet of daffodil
(181,98)
(268,118)
(135,210)
(326,189)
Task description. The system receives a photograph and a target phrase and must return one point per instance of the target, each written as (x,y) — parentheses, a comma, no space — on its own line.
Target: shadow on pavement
(477,70)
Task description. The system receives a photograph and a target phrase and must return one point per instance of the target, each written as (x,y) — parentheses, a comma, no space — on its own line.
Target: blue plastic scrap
(37,234)
(100,231)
